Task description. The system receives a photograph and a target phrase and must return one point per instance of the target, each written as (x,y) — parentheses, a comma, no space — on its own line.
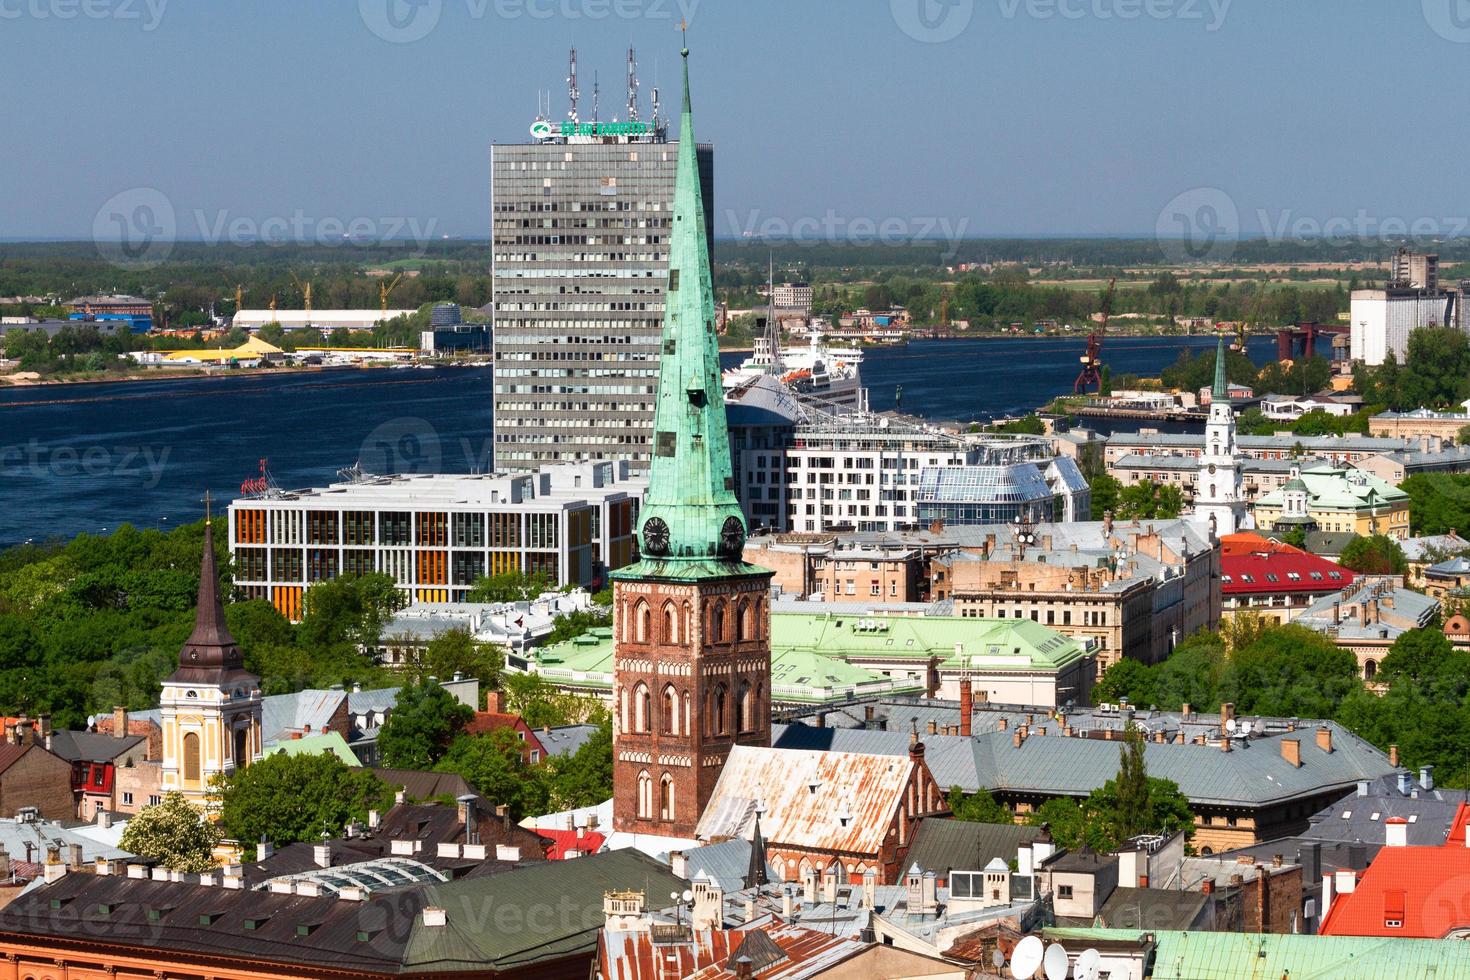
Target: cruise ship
(829,376)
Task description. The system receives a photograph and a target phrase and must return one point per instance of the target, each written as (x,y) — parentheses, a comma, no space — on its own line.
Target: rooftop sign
(541,129)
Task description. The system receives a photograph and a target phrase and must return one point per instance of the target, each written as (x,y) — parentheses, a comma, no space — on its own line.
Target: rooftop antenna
(596,97)
(632,86)
(572,93)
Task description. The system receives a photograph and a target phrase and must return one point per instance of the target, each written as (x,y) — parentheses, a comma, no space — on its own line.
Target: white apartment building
(435,534)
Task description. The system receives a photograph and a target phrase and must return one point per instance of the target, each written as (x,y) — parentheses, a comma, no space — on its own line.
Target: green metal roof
(1221,389)
(691,526)
(1333,488)
(1251,956)
(331,743)
(989,644)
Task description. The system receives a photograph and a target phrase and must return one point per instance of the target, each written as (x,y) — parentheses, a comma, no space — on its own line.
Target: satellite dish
(1026,958)
(1230,725)
(1055,962)
(1089,965)
(997,958)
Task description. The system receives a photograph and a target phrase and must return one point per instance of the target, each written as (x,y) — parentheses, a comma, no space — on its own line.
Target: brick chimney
(119,722)
(1324,739)
(1393,755)
(1207,887)
(1227,713)
(967,706)
(492,702)
(1291,751)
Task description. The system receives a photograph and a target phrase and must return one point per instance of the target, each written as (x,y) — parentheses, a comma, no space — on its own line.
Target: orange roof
(1408,892)
(1249,543)
(565,841)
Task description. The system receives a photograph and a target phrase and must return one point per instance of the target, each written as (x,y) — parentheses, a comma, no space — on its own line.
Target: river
(89,457)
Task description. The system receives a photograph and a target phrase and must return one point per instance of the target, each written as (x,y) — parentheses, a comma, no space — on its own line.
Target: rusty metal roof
(777,952)
(834,801)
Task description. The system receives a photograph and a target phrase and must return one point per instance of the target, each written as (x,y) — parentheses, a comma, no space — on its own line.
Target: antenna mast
(596,98)
(632,86)
(572,93)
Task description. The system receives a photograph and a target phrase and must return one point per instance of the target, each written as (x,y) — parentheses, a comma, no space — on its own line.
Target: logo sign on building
(541,129)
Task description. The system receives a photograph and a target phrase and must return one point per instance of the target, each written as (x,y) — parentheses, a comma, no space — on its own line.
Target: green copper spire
(1220,390)
(691,524)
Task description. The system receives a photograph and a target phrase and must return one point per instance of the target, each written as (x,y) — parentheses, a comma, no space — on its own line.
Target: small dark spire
(755,875)
(210,645)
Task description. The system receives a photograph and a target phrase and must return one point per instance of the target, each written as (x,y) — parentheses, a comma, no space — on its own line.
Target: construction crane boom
(1091,373)
(385,287)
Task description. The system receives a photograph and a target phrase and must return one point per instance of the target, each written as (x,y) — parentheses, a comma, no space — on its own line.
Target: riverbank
(29,379)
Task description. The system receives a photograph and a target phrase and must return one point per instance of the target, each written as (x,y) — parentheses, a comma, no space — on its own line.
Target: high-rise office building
(581,222)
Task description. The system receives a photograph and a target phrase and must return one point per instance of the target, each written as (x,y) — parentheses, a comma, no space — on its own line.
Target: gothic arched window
(669,718)
(666,797)
(191,757)
(645,795)
(642,707)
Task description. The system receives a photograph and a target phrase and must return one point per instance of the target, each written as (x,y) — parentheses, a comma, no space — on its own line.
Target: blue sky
(1037,117)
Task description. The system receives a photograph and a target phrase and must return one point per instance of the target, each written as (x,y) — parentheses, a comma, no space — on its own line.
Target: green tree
(541,704)
(1126,680)
(456,651)
(349,609)
(1421,655)
(571,625)
(174,833)
(1150,501)
(583,778)
(1106,491)
(284,799)
(1438,501)
(978,808)
(495,765)
(1133,814)
(1436,368)
(424,721)
(1374,555)
(509,587)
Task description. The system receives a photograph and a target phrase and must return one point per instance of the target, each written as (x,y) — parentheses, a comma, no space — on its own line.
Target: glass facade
(579,266)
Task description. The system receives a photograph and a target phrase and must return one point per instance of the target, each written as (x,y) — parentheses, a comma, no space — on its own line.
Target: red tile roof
(565,841)
(1251,565)
(1408,892)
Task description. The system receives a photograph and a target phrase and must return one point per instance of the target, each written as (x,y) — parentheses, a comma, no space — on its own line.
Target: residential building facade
(436,534)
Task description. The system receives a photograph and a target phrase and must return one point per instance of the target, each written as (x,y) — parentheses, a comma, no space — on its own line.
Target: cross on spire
(207,500)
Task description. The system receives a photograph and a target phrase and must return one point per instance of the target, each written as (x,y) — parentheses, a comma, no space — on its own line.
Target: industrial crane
(305,288)
(1243,331)
(1091,373)
(385,287)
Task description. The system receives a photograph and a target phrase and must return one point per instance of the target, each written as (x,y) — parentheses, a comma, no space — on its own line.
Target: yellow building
(211,706)
(1330,498)
(254,349)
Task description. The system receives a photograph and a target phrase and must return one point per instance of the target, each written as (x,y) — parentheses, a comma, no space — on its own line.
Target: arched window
(671,623)
(744,709)
(622,710)
(242,747)
(722,720)
(666,797)
(686,621)
(645,796)
(668,719)
(642,707)
(1212,491)
(684,727)
(644,618)
(1370,669)
(708,714)
(742,610)
(757,628)
(191,757)
(717,622)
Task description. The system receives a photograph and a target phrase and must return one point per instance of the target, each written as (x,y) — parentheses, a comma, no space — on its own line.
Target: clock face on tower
(732,538)
(655,537)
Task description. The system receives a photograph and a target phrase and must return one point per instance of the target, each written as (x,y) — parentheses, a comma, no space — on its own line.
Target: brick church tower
(692,660)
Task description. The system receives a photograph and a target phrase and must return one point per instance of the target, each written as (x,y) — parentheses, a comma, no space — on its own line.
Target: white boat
(831,376)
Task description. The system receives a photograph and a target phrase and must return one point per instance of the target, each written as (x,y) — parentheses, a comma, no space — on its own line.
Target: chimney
(1159,736)
(119,722)
(264,849)
(1224,743)
(1396,832)
(1004,723)
(400,797)
(1324,738)
(1207,887)
(1107,523)
(1426,778)
(1018,737)
(44,723)
(466,814)
(74,856)
(829,884)
(821,719)
(492,702)
(1227,713)
(104,819)
(1327,881)
(967,706)
(870,889)
(1184,709)
(867,712)
(1291,751)
(809,887)
(375,819)
(787,913)
(321,855)
(1347,881)
(1393,755)
(933,727)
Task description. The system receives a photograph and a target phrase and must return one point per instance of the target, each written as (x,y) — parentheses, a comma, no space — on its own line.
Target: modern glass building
(1008,479)
(580,260)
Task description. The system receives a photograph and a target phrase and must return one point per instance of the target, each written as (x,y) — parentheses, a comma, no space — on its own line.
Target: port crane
(1243,331)
(305,288)
(385,287)
(1091,373)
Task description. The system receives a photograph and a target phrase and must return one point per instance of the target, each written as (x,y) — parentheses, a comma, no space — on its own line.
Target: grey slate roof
(942,845)
(726,862)
(15,834)
(565,739)
(1254,774)
(1361,816)
(90,746)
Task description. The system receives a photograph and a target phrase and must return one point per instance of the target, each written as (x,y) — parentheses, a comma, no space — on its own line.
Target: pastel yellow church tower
(211,705)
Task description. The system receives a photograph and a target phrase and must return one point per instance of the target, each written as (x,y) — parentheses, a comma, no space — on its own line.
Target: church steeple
(1221,390)
(210,646)
(691,520)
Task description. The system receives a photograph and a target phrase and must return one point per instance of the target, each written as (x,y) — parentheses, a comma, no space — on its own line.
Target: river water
(89,457)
